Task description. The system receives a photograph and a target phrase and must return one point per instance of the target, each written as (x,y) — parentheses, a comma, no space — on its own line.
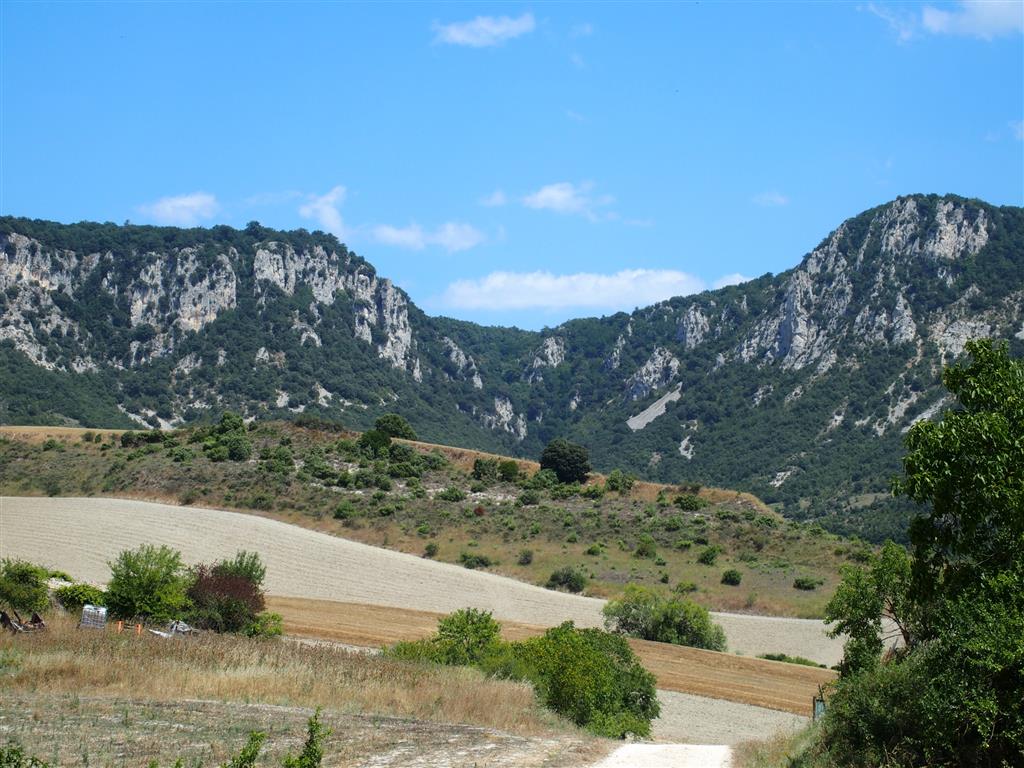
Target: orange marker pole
(120,627)
(138,629)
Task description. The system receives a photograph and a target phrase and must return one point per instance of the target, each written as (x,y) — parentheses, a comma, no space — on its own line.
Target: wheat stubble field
(391,595)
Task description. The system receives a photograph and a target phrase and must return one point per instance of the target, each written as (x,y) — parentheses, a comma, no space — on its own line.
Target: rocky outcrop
(692,328)
(506,419)
(659,370)
(465,366)
(550,355)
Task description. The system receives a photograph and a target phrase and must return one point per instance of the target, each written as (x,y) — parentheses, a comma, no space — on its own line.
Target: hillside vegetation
(797,387)
(413,498)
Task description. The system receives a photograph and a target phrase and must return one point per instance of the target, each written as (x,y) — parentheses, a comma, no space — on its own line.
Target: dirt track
(81,535)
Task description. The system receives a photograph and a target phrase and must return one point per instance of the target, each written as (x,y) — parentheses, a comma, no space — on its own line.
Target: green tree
(954,695)
(393,425)
(149,583)
(873,606)
(570,462)
(466,636)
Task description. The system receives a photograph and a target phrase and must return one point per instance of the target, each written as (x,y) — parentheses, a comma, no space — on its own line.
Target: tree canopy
(570,462)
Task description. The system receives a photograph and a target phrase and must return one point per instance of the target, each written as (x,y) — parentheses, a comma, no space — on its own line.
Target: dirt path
(668,756)
(80,535)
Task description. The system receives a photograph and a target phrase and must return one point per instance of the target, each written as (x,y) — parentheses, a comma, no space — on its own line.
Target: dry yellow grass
(769,684)
(65,660)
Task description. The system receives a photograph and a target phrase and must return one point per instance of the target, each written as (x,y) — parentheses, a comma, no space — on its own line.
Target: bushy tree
(148,582)
(953,695)
(393,425)
(645,614)
(227,596)
(569,462)
(375,444)
(466,636)
(23,585)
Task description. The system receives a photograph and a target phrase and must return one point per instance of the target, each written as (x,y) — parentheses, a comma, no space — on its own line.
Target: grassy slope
(768,550)
(95,697)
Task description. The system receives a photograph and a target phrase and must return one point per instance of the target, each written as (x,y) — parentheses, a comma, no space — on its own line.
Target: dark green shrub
(790,659)
(569,462)
(12,755)
(508,470)
(466,636)
(619,482)
(228,595)
(594,679)
(374,444)
(528,498)
(568,578)
(393,425)
(710,555)
(684,587)
(451,493)
(643,613)
(265,625)
(485,470)
(689,502)
(732,577)
(525,557)
(683,543)
(807,583)
(646,547)
(23,585)
(430,550)
(473,560)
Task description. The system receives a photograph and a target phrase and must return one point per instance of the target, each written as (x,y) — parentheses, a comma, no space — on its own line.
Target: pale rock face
(189,363)
(550,355)
(464,364)
(686,448)
(692,328)
(323,397)
(952,335)
(505,418)
(661,367)
(614,360)
(762,392)
(574,402)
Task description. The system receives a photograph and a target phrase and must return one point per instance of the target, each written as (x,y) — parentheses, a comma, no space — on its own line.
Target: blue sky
(513,163)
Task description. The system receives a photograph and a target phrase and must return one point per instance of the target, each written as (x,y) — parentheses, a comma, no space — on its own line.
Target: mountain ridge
(794,386)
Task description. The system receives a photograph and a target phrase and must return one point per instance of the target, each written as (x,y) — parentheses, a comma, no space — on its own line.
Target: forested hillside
(796,386)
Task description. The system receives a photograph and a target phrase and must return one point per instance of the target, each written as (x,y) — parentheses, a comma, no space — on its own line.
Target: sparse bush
(710,555)
(525,557)
(619,482)
(684,587)
(473,560)
(508,470)
(265,625)
(74,596)
(568,578)
(643,613)
(227,596)
(430,551)
(683,543)
(485,470)
(790,659)
(594,550)
(451,493)
(732,577)
(689,502)
(646,547)
(23,585)
(374,444)
(807,583)
(528,498)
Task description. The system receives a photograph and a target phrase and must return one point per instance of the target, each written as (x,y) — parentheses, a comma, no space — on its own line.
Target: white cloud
(576,116)
(569,198)
(182,210)
(496,199)
(453,236)
(734,279)
(324,210)
(984,19)
(483,31)
(904,25)
(770,199)
(577,61)
(404,237)
(1017,128)
(545,290)
(586,29)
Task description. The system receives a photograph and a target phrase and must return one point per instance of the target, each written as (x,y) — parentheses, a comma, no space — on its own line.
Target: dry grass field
(95,697)
(81,535)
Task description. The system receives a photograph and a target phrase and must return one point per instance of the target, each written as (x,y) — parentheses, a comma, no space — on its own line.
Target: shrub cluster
(645,614)
(23,585)
(591,677)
